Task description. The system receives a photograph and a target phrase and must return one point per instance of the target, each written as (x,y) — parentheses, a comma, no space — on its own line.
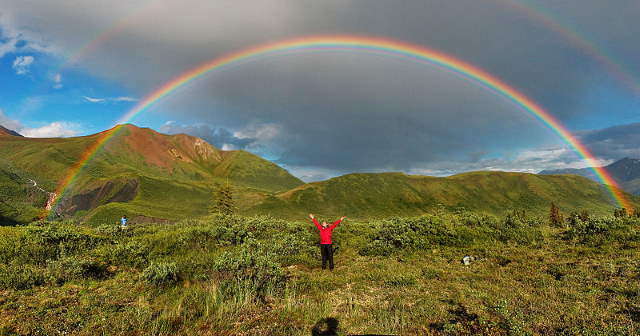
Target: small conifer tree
(223,202)
(555,217)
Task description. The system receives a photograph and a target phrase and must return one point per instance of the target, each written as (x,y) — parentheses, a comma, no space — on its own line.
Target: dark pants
(327,254)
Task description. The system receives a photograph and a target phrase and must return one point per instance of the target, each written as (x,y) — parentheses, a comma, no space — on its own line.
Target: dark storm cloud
(344,112)
(614,143)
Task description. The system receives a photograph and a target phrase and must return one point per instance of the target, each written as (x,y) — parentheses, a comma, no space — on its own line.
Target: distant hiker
(123,222)
(326,246)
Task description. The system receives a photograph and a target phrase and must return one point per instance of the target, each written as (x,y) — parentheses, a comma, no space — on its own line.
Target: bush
(21,276)
(160,273)
(76,267)
(133,254)
(38,244)
(232,230)
(452,230)
(256,271)
(111,230)
(599,230)
(297,245)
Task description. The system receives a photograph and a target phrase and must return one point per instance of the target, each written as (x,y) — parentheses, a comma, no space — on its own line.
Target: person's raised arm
(315,221)
(337,222)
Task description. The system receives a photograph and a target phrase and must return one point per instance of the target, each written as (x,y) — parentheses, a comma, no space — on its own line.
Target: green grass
(261,276)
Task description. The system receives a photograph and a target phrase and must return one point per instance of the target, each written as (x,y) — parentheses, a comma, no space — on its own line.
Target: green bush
(40,243)
(132,253)
(451,230)
(294,245)
(600,230)
(233,230)
(21,276)
(253,270)
(111,230)
(160,273)
(76,267)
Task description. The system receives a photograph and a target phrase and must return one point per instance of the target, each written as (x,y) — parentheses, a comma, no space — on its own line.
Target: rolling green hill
(149,176)
(387,194)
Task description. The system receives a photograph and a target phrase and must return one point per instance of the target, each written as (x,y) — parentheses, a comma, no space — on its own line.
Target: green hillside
(20,201)
(388,194)
(140,172)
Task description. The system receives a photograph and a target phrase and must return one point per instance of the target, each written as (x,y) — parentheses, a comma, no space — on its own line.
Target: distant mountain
(625,171)
(6,131)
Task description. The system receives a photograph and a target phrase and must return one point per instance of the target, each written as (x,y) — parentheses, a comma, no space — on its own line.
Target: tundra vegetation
(236,275)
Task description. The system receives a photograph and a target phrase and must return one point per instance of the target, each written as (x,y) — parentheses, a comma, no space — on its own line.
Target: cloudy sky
(74,67)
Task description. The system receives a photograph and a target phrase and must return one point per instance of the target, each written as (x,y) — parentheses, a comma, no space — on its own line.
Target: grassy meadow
(235,275)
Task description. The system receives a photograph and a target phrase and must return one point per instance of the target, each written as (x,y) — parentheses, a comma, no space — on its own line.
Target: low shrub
(256,271)
(599,230)
(40,243)
(451,230)
(21,276)
(76,267)
(132,253)
(160,273)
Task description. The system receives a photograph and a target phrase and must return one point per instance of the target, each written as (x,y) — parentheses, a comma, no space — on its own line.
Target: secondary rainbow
(361,44)
(547,19)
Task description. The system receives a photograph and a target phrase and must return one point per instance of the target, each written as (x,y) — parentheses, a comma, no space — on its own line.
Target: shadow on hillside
(6,221)
(329,327)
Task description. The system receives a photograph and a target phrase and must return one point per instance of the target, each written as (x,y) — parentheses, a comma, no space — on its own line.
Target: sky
(75,67)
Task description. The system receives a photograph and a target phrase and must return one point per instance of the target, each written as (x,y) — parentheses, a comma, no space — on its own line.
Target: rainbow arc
(375,45)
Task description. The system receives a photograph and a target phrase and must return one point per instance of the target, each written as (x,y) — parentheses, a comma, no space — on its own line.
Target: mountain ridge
(626,172)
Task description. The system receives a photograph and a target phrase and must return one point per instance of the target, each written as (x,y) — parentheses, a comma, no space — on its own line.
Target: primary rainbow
(364,44)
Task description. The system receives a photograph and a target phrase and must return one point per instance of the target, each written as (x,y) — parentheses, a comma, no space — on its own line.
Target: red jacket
(325,234)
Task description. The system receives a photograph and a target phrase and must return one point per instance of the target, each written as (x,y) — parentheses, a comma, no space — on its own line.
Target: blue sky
(326,114)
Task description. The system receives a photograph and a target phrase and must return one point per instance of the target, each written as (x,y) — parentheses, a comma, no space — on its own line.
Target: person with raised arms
(326,245)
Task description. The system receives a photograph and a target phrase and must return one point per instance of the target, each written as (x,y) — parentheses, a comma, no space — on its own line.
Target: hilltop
(386,194)
(152,176)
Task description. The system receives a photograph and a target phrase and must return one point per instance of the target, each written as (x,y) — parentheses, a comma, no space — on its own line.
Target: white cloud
(125,99)
(94,100)
(259,131)
(307,174)
(55,129)
(22,63)
(109,99)
(57,81)
(262,136)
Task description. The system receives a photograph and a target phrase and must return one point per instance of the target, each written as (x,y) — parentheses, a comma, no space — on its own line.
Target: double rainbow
(362,44)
